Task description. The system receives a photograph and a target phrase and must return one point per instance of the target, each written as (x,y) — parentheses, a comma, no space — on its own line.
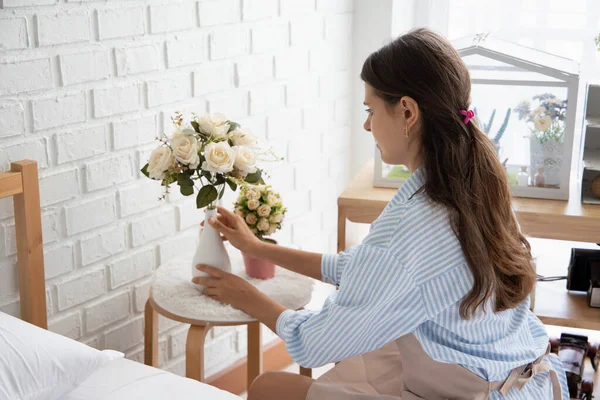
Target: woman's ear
(410,110)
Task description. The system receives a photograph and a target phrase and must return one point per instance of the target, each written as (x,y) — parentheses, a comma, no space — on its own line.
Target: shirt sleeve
(377,302)
(332,265)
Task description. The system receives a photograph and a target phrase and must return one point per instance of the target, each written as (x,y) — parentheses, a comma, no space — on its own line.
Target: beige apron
(379,375)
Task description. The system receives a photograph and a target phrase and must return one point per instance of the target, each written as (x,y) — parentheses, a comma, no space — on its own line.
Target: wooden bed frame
(22,183)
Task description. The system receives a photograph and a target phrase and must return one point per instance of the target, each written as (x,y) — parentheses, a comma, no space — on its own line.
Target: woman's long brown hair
(461,166)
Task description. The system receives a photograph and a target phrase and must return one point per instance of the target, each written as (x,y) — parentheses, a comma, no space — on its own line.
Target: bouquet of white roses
(209,153)
(261,208)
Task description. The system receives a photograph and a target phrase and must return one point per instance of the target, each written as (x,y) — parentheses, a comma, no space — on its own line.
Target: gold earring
(406,131)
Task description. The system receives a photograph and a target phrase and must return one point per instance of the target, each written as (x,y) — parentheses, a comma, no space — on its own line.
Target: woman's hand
(237,292)
(228,288)
(234,228)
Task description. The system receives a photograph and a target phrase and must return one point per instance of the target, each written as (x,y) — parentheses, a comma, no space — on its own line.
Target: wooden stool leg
(255,356)
(194,352)
(306,372)
(150,336)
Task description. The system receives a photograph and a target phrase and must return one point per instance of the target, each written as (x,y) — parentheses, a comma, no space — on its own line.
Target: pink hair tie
(467,114)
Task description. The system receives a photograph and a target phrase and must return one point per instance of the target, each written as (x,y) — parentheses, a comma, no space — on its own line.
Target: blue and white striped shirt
(409,275)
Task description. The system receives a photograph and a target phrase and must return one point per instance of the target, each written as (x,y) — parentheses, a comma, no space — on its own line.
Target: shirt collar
(415,181)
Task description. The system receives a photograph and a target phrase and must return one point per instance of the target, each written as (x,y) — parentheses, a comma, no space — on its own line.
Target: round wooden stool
(174,296)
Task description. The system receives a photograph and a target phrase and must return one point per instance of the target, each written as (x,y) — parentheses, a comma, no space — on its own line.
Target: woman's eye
(369,111)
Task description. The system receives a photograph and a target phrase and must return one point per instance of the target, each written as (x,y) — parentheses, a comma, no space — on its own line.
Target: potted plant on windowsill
(263,212)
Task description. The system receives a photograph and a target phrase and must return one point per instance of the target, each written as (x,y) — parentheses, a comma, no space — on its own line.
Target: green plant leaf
(207,175)
(222,192)
(232,185)
(196,126)
(220,179)
(233,126)
(254,178)
(186,190)
(145,171)
(184,180)
(206,195)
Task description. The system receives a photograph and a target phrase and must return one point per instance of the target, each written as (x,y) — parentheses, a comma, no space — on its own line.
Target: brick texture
(85,88)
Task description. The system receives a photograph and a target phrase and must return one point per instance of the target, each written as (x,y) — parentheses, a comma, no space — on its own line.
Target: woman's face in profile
(387,127)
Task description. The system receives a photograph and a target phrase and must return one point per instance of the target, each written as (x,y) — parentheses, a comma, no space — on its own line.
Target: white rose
(272,200)
(277,218)
(272,229)
(251,219)
(252,194)
(161,160)
(240,212)
(264,210)
(543,123)
(215,125)
(263,224)
(254,230)
(245,158)
(541,110)
(185,148)
(242,138)
(219,157)
(253,204)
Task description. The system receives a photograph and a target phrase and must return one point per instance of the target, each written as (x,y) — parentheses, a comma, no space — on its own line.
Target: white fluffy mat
(173,291)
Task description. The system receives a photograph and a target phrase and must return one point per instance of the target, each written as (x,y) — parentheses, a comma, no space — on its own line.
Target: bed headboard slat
(23,184)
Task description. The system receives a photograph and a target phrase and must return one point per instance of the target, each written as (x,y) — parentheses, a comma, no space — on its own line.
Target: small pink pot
(257,267)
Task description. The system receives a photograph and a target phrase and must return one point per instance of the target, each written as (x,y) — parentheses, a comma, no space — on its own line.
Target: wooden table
(547,219)
(173,296)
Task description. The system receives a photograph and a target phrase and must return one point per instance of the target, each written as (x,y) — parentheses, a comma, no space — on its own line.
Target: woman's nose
(367,125)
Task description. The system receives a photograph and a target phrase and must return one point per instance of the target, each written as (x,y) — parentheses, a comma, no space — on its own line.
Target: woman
(434,304)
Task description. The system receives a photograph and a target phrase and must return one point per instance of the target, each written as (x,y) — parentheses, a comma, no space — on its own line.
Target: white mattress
(124,379)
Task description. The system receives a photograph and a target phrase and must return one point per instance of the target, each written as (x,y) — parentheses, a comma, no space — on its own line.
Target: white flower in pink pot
(263,225)
(264,210)
(251,219)
(253,204)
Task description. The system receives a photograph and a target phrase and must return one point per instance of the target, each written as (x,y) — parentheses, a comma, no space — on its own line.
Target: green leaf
(222,193)
(187,190)
(254,178)
(145,171)
(206,195)
(202,159)
(232,185)
(184,180)
(220,179)
(196,126)
(233,126)
(207,175)
(169,178)
(262,182)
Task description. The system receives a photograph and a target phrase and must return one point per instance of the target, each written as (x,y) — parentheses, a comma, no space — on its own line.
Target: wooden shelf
(547,219)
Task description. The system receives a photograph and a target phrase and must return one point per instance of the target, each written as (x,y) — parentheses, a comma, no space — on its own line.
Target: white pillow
(39,364)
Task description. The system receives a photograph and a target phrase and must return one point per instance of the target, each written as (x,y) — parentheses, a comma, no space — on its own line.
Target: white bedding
(124,379)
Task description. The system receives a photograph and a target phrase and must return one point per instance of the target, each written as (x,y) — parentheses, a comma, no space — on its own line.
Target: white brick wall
(86,86)
(25,76)
(12,118)
(14,34)
(84,67)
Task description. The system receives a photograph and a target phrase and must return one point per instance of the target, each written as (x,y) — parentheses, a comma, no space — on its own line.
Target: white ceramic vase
(211,250)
